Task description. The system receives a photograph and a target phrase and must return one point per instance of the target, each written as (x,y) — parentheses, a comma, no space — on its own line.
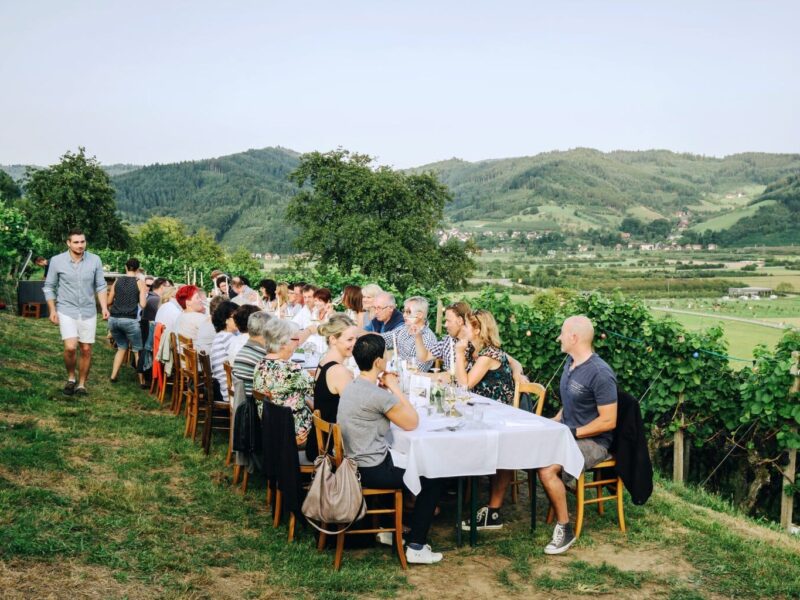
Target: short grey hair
(257,323)
(418,303)
(387,298)
(278,333)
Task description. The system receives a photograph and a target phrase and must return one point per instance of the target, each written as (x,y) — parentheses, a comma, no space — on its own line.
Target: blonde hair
(484,325)
(371,290)
(282,293)
(336,325)
(169,294)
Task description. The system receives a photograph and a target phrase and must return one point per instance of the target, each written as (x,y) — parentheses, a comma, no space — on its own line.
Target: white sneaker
(424,556)
(386,538)
(563,538)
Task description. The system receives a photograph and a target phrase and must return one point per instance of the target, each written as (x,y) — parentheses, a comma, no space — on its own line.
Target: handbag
(335,496)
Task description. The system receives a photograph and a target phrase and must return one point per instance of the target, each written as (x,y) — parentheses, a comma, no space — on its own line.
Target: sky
(408,82)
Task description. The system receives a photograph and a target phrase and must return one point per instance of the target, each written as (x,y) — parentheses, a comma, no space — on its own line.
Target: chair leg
(600,508)
(236,472)
(323,538)
(269,495)
(398,528)
(292,519)
(337,560)
(579,510)
(245,480)
(620,505)
(277,508)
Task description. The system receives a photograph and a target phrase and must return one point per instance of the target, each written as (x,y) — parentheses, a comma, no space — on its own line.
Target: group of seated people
(259,334)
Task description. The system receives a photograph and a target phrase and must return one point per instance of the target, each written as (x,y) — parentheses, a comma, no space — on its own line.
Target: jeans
(125,330)
(386,475)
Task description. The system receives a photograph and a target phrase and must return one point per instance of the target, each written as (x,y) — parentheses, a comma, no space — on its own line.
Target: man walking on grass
(73,279)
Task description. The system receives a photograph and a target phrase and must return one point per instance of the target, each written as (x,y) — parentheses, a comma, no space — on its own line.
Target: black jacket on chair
(281,458)
(629,447)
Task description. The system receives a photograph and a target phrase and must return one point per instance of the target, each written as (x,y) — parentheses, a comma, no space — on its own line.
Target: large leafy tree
(75,193)
(168,237)
(379,220)
(9,190)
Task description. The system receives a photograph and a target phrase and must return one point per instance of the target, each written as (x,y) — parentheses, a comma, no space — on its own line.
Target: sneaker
(81,391)
(423,556)
(69,388)
(563,538)
(386,538)
(487,518)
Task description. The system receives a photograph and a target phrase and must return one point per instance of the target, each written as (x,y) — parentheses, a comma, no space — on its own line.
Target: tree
(16,242)
(382,221)
(9,190)
(75,193)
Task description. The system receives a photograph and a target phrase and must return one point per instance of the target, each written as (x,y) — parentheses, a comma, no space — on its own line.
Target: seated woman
(365,413)
(226,329)
(352,300)
(276,375)
(282,300)
(455,323)
(368,294)
(483,367)
(240,318)
(332,376)
(192,301)
(323,307)
(266,291)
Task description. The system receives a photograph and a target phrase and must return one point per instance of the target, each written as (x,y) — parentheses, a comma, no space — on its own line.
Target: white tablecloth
(508,438)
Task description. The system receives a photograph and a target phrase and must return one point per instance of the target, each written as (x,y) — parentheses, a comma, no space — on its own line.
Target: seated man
(365,413)
(253,351)
(415,315)
(589,398)
(244,294)
(305,314)
(387,317)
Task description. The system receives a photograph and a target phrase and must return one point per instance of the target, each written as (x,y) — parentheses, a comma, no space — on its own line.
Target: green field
(729,218)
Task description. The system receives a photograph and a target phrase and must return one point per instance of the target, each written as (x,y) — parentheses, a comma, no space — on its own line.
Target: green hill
(17,172)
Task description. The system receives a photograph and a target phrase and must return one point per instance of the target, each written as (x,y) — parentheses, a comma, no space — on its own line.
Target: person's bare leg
(70,357)
(86,363)
(138,372)
(500,483)
(555,490)
(118,358)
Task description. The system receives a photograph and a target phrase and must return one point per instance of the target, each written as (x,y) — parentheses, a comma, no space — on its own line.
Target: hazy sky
(407,81)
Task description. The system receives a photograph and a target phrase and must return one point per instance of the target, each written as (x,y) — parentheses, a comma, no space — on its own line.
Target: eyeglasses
(408,312)
(381,307)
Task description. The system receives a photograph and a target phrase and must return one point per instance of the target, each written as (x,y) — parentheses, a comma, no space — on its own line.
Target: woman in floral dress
(277,376)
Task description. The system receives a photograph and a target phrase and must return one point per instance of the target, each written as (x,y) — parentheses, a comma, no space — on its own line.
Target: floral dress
(289,387)
(497,384)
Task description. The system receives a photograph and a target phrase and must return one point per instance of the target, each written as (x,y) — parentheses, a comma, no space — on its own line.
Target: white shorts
(83,329)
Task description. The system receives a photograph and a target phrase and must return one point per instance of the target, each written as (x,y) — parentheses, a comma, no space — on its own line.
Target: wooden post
(678,448)
(790,471)
(439,312)
(687,456)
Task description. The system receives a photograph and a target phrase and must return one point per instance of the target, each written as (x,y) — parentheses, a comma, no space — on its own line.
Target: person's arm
(142,292)
(49,289)
(100,288)
(478,371)
(516,369)
(112,293)
(401,414)
(606,421)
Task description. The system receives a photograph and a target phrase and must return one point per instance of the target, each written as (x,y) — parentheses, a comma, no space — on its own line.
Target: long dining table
(487,437)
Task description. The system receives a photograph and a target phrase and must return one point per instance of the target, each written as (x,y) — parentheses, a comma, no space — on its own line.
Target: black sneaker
(487,518)
(563,538)
(69,388)
(81,391)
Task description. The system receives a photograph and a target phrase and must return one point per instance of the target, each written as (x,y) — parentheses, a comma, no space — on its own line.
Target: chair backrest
(228,379)
(262,396)
(185,342)
(324,430)
(537,392)
(204,361)
(176,354)
(190,364)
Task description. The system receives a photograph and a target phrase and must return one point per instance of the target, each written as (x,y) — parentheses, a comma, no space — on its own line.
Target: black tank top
(126,298)
(327,403)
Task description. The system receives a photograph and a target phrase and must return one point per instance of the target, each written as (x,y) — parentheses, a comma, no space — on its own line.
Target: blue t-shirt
(584,388)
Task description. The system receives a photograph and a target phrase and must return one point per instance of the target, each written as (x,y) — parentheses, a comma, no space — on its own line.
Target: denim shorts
(124,331)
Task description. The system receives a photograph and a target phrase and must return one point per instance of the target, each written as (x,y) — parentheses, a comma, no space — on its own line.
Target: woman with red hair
(192,300)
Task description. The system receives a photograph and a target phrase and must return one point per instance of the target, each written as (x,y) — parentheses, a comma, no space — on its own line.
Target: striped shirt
(219,354)
(245,364)
(407,345)
(73,284)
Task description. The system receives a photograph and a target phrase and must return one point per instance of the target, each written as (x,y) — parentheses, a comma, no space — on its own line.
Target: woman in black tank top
(126,296)
(332,376)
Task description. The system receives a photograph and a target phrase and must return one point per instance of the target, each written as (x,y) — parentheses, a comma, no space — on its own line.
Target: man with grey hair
(387,317)
(415,317)
(253,351)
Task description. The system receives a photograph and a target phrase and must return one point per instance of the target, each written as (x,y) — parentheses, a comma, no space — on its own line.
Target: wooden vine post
(790,471)
(678,448)
(439,311)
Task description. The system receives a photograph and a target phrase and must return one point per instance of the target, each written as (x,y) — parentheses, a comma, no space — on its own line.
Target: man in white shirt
(303,317)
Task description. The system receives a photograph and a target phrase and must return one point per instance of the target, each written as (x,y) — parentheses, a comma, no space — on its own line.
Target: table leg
(459,510)
(473,510)
(532,488)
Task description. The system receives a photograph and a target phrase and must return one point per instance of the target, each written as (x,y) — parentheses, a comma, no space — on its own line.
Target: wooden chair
(229,383)
(237,469)
(158,369)
(190,390)
(323,430)
(537,391)
(181,342)
(176,370)
(276,494)
(214,412)
(614,483)
(32,309)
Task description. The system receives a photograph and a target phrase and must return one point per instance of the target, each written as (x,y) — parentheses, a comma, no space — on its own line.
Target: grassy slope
(103,498)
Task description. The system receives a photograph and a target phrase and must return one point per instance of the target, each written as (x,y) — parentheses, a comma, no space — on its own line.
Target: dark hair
(132,264)
(309,287)
(243,279)
(301,284)
(158,283)
(74,231)
(352,298)
(220,279)
(323,294)
(368,349)
(185,293)
(242,314)
(269,286)
(220,316)
(461,309)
